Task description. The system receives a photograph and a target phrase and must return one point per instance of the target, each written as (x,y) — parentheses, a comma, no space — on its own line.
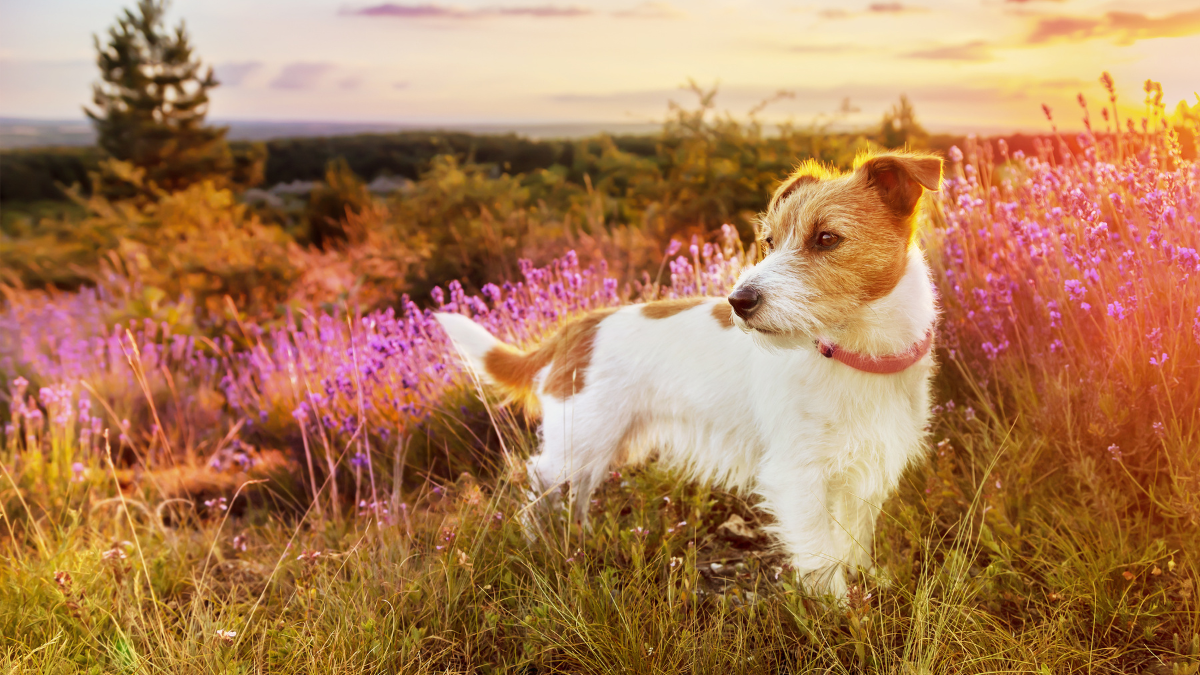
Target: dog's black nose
(744,302)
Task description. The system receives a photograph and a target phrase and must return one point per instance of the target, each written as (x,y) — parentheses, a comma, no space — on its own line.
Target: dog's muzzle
(744,302)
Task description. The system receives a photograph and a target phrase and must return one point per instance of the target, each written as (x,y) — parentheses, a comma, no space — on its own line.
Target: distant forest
(37,173)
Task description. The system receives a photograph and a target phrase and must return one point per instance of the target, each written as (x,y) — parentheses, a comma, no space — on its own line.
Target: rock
(296,188)
(737,529)
(386,185)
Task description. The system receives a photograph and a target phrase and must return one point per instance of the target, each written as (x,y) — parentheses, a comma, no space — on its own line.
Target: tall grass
(329,492)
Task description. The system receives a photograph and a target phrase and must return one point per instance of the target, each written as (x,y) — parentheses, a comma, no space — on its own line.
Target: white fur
(823,444)
(470,339)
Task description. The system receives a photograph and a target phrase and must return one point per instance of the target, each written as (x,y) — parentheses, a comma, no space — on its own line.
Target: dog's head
(833,244)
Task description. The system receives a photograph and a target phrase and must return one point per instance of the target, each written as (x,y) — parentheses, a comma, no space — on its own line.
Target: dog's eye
(770,242)
(827,241)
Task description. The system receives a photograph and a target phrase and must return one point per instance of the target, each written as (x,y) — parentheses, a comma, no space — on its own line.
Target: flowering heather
(1071,289)
(89,378)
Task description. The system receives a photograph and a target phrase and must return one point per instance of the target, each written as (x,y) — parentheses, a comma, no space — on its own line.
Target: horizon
(986,67)
(31,133)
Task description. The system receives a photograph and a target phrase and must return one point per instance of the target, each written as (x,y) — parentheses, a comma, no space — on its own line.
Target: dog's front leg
(796,494)
(855,508)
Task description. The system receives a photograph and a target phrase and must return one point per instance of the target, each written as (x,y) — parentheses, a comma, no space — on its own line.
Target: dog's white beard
(785,317)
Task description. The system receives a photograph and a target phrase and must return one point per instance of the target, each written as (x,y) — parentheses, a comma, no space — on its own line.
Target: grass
(449,583)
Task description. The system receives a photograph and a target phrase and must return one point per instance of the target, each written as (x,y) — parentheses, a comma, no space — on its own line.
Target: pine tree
(151,104)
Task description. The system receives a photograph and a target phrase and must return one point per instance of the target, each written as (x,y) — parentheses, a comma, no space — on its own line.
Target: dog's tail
(496,363)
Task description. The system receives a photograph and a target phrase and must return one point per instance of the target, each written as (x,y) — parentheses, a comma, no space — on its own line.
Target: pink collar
(892,363)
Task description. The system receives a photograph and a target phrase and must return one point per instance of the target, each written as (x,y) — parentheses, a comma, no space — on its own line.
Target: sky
(967,65)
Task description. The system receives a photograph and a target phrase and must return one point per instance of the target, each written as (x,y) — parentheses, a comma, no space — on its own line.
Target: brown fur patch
(723,313)
(573,355)
(662,309)
(568,353)
(514,369)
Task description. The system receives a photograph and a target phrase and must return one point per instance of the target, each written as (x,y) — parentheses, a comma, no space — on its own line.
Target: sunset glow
(966,66)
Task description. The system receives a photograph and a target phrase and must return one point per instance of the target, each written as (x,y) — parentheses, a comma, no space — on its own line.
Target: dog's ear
(899,179)
(808,172)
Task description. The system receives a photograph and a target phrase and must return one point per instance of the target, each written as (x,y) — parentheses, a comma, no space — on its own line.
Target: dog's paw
(826,581)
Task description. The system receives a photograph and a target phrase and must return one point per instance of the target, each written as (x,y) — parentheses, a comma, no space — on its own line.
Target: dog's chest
(843,416)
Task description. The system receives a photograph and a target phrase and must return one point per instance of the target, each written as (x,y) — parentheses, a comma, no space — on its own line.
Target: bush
(332,203)
(198,244)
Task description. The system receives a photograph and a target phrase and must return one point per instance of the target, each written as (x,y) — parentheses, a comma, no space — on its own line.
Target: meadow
(227,452)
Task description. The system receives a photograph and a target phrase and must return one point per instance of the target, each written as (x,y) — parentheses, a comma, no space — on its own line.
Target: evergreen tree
(900,128)
(151,104)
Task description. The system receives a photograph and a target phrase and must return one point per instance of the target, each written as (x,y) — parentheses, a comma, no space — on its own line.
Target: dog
(808,385)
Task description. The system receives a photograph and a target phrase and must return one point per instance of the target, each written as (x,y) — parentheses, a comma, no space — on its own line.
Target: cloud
(430,11)
(300,75)
(1123,28)
(400,85)
(232,74)
(408,11)
(890,8)
(824,49)
(976,51)
(873,8)
(650,10)
(542,12)
(350,83)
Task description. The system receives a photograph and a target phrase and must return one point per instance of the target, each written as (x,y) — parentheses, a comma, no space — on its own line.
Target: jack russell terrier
(816,402)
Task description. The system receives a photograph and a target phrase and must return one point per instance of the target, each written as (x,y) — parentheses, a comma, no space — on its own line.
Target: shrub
(333,203)
(195,246)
